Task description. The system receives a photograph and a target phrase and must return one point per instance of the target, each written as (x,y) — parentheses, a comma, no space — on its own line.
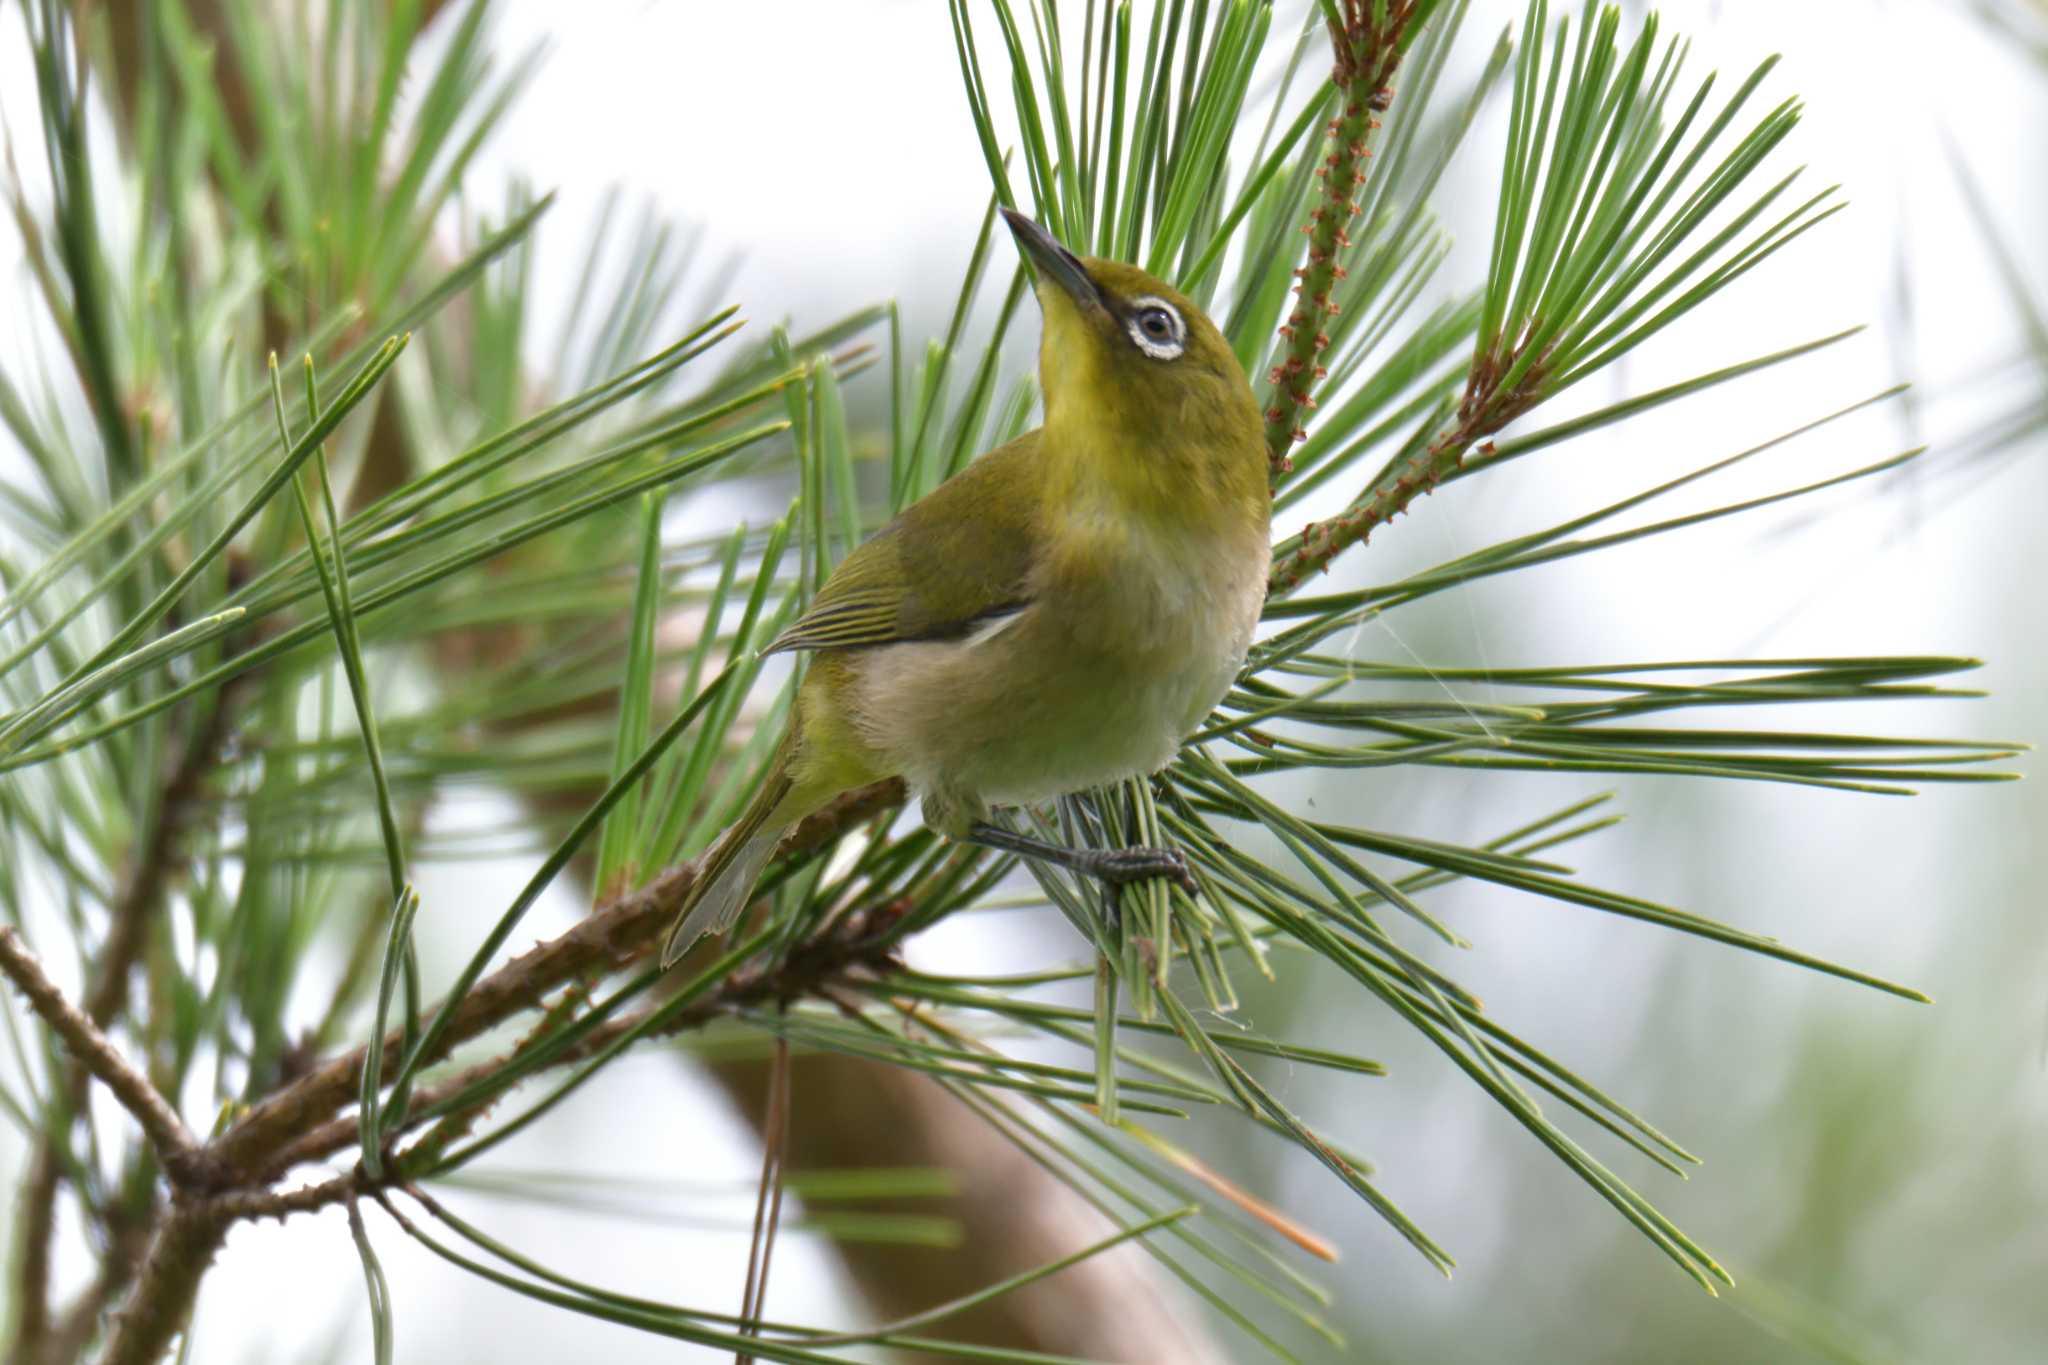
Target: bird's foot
(1116,867)
(1121,867)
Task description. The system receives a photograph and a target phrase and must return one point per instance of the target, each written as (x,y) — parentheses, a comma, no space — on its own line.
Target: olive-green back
(955,558)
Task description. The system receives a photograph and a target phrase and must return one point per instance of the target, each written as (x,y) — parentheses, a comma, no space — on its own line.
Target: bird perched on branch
(1060,614)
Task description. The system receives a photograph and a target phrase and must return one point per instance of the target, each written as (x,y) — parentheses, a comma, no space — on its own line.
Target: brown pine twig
(36,1215)
(454,1126)
(613,936)
(257,1202)
(186,1241)
(133,909)
(92,1050)
(237,1165)
(1322,541)
(851,945)
(1485,408)
(80,1322)
(1368,52)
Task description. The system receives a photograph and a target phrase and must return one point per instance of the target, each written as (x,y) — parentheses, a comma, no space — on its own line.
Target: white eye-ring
(1156,328)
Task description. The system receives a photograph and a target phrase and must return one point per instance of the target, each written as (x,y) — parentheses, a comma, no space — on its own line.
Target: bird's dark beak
(1053,261)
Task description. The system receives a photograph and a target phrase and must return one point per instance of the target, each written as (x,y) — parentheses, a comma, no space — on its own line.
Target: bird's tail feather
(731,867)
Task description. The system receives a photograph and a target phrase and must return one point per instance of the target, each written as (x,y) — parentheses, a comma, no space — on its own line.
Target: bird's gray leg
(1116,866)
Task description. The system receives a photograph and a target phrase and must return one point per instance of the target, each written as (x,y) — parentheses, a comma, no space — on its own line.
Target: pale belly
(1064,695)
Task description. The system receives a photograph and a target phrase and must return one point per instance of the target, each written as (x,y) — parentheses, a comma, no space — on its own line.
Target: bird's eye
(1156,329)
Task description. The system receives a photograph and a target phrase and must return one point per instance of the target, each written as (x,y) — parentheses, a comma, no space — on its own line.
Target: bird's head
(1136,374)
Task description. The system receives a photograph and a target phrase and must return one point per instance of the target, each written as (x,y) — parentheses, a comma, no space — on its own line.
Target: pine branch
(119,1263)
(160,1123)
(613,936)
(133,910)
(1386,498)
(36,1210)
(850,945)
(627,931)
(1587,262)
(1368,45)
(185,1244)
(190,1235)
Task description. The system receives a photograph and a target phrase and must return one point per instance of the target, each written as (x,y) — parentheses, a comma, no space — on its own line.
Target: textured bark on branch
(610,937)
(38,1334)
(186,1241)
(1366,49)
(91,1050)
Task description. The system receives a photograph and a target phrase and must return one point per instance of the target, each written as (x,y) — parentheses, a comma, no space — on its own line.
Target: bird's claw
(1123,866)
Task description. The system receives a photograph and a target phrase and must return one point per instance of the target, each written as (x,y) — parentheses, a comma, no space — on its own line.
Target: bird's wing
(952,562)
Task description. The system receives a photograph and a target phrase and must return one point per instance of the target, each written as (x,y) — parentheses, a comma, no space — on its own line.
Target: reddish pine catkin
(1368,49)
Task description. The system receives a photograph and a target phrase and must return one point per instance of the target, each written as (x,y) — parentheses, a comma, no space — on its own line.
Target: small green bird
(1060,614)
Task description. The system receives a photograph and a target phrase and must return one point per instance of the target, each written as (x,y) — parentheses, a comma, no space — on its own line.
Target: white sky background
(864,181)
